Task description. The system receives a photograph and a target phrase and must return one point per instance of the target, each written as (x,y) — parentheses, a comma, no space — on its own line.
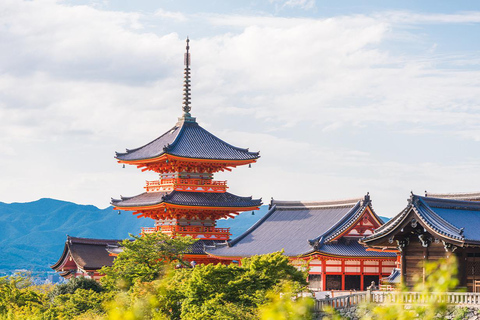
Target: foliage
(71,305)
(144,259)
(211,291)
(286,306)
(74,284)
(441,278)
(15,297)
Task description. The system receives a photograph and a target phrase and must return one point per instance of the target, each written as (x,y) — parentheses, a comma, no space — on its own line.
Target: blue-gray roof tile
(455,219)
(202,199)
(189,140)
(291,226)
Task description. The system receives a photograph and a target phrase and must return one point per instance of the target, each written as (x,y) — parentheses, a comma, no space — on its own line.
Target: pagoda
(186,200)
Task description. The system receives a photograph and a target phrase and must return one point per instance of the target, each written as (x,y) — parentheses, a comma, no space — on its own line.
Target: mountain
(32,234)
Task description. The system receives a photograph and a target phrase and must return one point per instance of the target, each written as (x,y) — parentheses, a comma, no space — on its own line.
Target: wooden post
(324,278)
(361,276)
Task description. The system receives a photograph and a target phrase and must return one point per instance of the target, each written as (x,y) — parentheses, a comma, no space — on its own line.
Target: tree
(144,259)
(228,291)
(73,285)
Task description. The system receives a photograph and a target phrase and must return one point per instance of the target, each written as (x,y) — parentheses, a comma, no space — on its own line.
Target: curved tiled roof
(299,228)
(351,249)
(188,140)
(454,219)
(201,199)
(88,254)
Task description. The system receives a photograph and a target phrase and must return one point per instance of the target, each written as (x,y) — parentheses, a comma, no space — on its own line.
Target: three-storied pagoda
(186,200)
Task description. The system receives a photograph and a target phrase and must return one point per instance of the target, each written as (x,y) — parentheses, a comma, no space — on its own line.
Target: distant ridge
(32,234)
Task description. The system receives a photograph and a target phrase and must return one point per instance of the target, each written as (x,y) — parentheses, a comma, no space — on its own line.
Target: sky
(341,98)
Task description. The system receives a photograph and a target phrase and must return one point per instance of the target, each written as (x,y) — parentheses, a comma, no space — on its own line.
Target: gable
(363,226)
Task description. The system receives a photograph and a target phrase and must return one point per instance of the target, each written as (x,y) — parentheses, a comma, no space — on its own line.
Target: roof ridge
(318,241)
(454,195)
(313,204)
(226,143)
(91,240)
(436,220)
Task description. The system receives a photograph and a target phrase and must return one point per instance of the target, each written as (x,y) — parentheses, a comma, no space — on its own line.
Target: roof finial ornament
(186,85)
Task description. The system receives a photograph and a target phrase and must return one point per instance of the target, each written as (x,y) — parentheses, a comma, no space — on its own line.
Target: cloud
(177,16)
(302,4)
(322,98)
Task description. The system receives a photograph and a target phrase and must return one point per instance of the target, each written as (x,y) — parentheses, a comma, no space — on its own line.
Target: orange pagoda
(186,200)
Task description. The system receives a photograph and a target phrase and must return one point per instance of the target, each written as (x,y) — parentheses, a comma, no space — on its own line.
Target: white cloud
(78,83)
(177,16)
(302,4)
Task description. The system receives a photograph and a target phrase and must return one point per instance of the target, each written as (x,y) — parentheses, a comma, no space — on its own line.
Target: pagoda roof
(187,139)
(88,254)
(450,219)
(302,228)
(200,199)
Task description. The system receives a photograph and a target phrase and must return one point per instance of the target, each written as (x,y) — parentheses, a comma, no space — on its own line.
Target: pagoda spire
(186,85)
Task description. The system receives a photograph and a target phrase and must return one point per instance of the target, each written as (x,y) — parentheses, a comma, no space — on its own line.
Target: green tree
(18,300)
(144,259)
(73,285)
(228,291)
(210,291)
(71,305)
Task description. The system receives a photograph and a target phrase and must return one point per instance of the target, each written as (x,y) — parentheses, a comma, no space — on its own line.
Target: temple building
(430,228)
(84,257)
(323,235)
(186,200)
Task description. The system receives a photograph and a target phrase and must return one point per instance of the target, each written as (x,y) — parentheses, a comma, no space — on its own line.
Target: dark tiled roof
(351,249)
(187,139)
(88,254)
(454,219)
(200,246)
(201,199)
(298,228)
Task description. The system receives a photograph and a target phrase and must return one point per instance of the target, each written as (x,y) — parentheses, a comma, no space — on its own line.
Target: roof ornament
(186,86)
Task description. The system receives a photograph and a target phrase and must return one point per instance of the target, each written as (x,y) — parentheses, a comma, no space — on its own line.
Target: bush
(73,285)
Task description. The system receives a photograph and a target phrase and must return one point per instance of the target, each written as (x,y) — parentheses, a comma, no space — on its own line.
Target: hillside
(32,234)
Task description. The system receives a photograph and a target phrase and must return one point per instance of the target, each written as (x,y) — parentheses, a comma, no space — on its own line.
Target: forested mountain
(32,234)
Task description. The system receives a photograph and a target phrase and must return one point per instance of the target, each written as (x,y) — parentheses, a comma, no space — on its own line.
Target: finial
(186,85)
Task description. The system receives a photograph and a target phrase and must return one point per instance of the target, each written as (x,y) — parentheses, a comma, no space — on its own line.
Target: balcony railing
(196,232)
(192,185)
(408,298)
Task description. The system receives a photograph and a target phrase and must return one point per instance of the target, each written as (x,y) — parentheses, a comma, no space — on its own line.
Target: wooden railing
(382,297)
(194,231)
(192,185)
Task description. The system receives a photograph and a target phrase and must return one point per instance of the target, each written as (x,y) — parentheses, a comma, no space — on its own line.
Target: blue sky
(341,98)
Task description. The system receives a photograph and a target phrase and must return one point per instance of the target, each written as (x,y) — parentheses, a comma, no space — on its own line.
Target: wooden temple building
(83,257)
(433,227)
(322,234)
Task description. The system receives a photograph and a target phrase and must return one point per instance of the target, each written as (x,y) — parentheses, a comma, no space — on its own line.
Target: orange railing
(200,185)
(194,231)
